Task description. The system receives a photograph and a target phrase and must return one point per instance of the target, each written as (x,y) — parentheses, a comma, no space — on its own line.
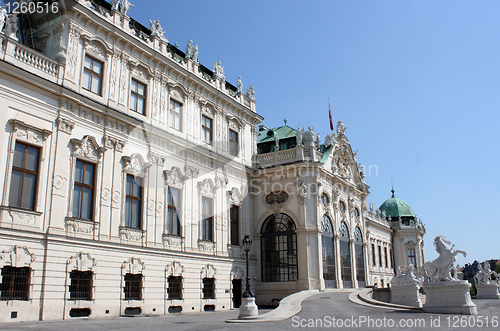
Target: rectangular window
(208,288)
(174,288)
(233,143)
(386,258)
(138,97)
(15,283)
(380,255)
(206,126)
(235,225)
(175,115)
(133,287)
(24,177)
(83,196)
(81,285)
(173,222)
(92,75)
(411,257)
(133,202)
(373,255)
(207,219)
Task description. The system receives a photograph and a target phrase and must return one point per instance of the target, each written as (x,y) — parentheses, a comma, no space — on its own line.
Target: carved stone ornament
(133,266)
(131,234)
(301,191)
(81,262)
(207,246)
(235,197)
(175,269)
(80,226)
(65,125)
(135,165)
(236,273)
(174,177)
(96,46)
(191,172)
(172,241)
(342,159)
(28,133)
(17,256)
(207,187)
(208,271)
(87,148)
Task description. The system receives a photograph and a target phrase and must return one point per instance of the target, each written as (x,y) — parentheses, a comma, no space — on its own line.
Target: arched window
(345,256)
(279,249)
(328,252)
(360,261)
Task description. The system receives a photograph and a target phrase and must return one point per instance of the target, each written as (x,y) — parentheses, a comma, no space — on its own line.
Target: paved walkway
(319,311)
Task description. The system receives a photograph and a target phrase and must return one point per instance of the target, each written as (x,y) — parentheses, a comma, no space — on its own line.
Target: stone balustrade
(297,154)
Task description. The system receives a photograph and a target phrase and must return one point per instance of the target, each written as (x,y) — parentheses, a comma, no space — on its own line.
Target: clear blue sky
(416,82)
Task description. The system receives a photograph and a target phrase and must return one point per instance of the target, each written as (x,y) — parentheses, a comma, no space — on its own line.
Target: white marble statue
(125,7)
(3,16)
(239,85)
(311,136)
(218,70)
(251,93)
(440,268)
(114,4)
(195,54)
(156,29)
(276,142)
(341,128)
(318,139)
(10,28)
(299,136)
(484,274)
(189,49)
(406,276)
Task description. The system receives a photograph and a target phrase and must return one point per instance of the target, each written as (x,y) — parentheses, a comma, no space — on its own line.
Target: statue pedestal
(487,291)
(405,295)
(449,297)
(248,308)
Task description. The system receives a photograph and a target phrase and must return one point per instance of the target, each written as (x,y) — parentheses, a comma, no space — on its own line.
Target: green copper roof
(395,207)
(283,132)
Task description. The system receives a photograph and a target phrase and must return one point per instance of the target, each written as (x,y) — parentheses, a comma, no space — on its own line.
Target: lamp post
(247,244)
(248,308)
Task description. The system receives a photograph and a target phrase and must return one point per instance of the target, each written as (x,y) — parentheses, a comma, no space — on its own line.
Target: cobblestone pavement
(321,311)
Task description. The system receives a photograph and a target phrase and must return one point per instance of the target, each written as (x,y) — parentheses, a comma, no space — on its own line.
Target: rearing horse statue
(440,268)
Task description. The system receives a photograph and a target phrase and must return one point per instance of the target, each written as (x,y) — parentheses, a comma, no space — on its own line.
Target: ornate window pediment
(236,273)
(208,271)
(87,148)
(96,46)
(174,269)
(81,262)
(133,266)
(174,177)
(135,165)
(17,257)
(410,245)
(235,196)
(234,123)
(29,133)
(207,188)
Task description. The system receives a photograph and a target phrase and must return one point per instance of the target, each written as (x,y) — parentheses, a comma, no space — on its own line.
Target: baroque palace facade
(132,173)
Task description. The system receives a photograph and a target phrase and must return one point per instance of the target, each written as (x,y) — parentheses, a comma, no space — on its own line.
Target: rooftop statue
(239,85)
(3,16)
(125,7)
(115,4)
(484,274)
(189,50)
(440,268)
(276,142)
(251,93)
(218,70)
(194,57)
(10,28)
(312,136)
(156,29)
(299,136)
(341,128)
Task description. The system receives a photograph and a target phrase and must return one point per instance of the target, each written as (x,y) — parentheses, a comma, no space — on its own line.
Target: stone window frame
(88,150)
(135,165)
(208,112)
(97,49)
(138,96)
(142,74)
(81,261)
(174,178)
(175,269)
(207,189)
(34,136)
(208,271)
(235,125)
(133,266)
(19,257)
(177,94)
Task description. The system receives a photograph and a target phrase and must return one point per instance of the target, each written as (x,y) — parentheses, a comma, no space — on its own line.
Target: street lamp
(247,244)
(248,308)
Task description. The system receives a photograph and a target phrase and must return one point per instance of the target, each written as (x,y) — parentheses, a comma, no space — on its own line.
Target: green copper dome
(395,207)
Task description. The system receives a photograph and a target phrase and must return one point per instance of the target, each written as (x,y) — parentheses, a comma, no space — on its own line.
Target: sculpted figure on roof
(125,7)
(189,50)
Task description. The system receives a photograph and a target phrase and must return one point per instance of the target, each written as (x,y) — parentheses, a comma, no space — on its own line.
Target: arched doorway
(360,260)
(328,243)
(279,249)
(345,256)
